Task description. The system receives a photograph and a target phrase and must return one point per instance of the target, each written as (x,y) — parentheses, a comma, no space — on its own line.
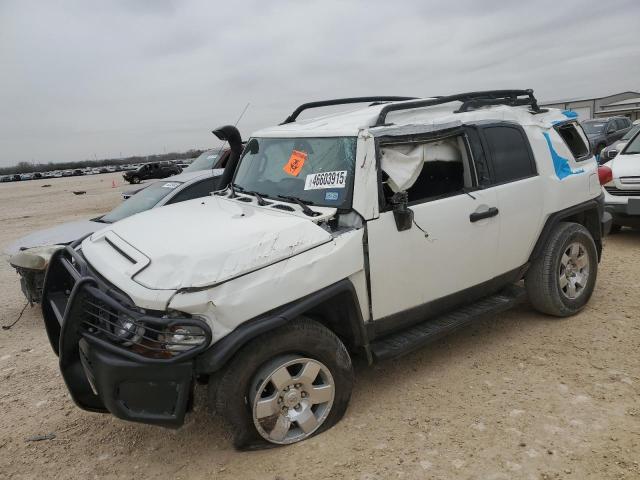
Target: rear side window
(576,142)
(510,154)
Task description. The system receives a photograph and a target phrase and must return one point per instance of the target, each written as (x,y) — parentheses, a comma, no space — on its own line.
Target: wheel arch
(336,307)
(587,214)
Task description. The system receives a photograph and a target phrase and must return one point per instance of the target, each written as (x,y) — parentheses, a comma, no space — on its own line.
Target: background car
(612,150)
(622,188)
(604,131)
(208,160)
(30,255)
(152,170)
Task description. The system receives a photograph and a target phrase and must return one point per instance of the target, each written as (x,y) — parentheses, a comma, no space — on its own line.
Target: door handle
(491,212)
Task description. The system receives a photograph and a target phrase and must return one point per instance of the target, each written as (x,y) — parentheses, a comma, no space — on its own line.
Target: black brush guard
(102,373)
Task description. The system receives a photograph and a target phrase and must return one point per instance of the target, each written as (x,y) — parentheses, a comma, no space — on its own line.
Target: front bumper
(138,381)
(623,215)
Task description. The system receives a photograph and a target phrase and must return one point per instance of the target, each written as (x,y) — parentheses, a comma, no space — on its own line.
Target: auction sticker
(295,163)
(170,185)
(316,181)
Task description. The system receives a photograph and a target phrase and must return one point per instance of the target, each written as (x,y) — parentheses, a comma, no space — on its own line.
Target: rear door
(518,187)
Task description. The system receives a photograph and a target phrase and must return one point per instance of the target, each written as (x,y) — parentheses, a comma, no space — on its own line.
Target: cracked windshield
(318,171)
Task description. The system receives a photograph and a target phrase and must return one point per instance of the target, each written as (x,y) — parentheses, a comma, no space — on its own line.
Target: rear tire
(561,280)
(266,397)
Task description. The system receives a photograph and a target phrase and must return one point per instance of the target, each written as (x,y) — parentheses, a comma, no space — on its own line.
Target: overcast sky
(105,78)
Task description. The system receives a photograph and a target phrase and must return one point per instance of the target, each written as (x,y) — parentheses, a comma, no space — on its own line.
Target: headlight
(180,338)
(127,330)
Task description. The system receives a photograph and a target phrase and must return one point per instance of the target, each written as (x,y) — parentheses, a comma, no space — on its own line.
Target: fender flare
(594,207)
(214,358)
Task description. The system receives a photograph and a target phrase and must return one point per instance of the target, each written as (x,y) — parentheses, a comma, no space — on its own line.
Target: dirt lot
(518,396)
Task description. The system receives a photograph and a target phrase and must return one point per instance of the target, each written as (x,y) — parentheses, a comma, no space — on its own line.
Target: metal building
(626,104)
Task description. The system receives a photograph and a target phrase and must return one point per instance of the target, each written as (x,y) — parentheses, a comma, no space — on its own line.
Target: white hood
(199,243)
(625,166)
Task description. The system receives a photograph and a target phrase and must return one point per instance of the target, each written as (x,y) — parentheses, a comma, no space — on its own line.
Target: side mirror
(402,214)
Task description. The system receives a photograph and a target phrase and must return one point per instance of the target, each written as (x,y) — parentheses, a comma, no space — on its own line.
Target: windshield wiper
(233,187)
(259,197)
(302,205)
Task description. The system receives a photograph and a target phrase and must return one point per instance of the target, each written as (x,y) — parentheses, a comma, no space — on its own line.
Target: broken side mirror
(402,214)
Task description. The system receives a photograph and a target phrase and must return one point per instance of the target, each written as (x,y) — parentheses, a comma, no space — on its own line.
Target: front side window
(510,154)
(633,146)
(143,200)
(318,171)
(427,170)
(196,190)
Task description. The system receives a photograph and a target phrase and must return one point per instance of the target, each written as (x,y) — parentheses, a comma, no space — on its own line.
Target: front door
(450,247)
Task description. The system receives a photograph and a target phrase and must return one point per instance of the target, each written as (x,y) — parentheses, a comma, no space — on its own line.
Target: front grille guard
(71,295)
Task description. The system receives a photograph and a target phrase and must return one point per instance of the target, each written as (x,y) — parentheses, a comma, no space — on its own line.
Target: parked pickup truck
(151,170)
(371,232)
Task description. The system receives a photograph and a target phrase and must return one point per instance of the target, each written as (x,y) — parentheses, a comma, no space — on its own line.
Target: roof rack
(469,101)
(342,101)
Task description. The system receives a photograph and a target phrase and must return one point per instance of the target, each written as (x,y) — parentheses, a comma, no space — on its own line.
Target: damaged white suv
(370,232)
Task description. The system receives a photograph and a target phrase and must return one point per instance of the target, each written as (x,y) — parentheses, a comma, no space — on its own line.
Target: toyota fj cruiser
(370,232)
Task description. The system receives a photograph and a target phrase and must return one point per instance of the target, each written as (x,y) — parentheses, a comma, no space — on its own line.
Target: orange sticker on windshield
(295,163)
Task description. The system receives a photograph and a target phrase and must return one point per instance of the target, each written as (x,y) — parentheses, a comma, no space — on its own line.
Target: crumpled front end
(115,357)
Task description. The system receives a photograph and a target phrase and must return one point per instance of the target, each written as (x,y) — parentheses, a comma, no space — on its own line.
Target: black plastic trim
(469,99)
(220,352)
(342,101)
(595,204)
(420,313)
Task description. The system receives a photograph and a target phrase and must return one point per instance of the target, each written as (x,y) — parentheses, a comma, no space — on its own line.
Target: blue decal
(560,164)
(569,114)
(333,196)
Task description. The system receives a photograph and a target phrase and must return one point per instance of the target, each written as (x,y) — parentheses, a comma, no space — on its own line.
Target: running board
(415,337)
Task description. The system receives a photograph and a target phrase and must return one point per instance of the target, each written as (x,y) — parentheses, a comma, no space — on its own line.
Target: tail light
(604,174)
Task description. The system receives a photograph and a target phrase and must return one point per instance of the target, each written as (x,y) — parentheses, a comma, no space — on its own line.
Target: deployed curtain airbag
(403,163)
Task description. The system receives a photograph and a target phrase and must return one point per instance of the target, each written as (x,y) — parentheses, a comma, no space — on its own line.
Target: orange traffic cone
(113,184)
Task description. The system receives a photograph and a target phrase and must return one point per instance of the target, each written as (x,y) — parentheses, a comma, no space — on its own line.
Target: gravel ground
(517,396)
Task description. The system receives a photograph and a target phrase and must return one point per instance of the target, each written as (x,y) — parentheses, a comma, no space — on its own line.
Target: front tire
(285,386)
(135,180)
(561,280)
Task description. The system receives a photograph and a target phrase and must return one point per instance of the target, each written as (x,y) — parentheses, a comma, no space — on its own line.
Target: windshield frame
(633,131)
(345,206)
(635,138)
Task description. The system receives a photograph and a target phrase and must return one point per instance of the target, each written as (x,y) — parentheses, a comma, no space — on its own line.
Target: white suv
(622,185)
(370,232)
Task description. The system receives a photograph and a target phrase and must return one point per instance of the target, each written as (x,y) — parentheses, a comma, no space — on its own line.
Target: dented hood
(199,243)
